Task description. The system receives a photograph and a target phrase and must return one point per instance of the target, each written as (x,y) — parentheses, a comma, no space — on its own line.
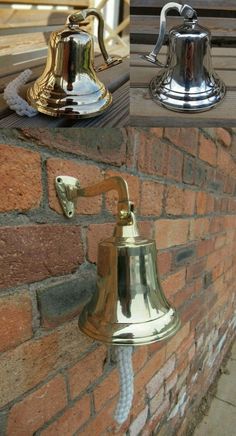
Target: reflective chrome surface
(69,85)
(188,82)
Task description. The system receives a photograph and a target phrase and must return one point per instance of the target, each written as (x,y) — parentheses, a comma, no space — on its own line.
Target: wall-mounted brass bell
(188,82)
(69,85)
(128,306)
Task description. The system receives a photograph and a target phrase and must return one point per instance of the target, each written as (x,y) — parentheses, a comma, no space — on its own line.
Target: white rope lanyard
(13,99)
(125,367)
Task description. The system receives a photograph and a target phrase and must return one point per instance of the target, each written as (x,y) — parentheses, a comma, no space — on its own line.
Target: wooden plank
(145,112)
(141,77)
(12,18)
(75,3)
(229,5)
(148,25)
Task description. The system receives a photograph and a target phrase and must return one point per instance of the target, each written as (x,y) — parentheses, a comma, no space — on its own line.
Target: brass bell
(128,306)
(69,85)
(188,82)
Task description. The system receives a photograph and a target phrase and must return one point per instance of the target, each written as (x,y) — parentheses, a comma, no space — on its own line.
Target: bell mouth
(143,333)
(187,101)
(70,106)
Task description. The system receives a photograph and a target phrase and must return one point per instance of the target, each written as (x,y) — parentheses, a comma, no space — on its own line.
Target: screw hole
(59,180)
(70,213)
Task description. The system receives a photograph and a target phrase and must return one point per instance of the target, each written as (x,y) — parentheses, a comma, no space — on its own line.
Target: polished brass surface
(128,306)
(69,85)
(188,82)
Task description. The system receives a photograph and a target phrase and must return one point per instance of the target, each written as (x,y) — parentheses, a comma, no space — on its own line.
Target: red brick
(15,320)
(207,150)
(95,234)
(186,139)
(201,203)
(223,136)
(164,262)
(139,358)
(173,283)
(146,229)
(199,228)
(35,252)
(179,201)
(205,247)
(33,361)
(87,175)
(147,372)
(152,154)
(139,422)
(106,390)
(20,174)
(98,144)
(71,421)
(224,160)
(86,371)
(176,340)
(171,232)
(101,422)
(151,198)
(154,385)
(175,164)
(134,194)
(37,408)
(196,269)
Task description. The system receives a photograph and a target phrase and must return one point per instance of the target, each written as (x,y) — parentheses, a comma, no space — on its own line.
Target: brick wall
(56,381)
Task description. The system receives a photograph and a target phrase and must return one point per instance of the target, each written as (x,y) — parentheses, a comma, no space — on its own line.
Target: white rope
(124,363)
(14,101)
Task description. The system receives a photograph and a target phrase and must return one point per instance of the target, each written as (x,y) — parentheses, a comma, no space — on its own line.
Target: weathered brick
(200,174)
(183,138)
(205,247)
(63,301)
(199,228)
(33,361)
(95,234)
(15,320)
(176,340)
(196,269)
(164,262)
(133,186)
(20,174)
(223,136)
(98,144)
(101,422)
(175,164)
(189,170)
(86,371)
(139,422)
(140,356)
(201,203)
(106,390)
(174,282)
(86,174)
(32,253)
(151,198)
(72,419)
(36,409)
(183,255)
(152,154)
(207,150)
(171,232)
(179,201)
(154,385)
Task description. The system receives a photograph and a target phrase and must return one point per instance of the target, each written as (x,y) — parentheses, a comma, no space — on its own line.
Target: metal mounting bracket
(67,188)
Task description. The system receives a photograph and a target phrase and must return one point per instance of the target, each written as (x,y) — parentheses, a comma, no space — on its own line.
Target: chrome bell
(129,306)
(188,82)
(69,85)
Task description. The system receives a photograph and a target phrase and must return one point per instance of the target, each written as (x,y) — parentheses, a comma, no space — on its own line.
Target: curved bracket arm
(185,11)
(69,189)
(81,16)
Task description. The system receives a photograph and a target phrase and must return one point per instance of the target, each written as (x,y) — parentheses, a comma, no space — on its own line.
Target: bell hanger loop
(185,11)
(77,18)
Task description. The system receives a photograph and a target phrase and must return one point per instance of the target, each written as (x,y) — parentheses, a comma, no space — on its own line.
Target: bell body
(128,307)
(188,83)
(69,85)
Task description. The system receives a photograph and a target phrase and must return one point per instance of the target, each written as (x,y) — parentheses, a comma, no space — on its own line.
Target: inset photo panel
(183,62)
(64,63)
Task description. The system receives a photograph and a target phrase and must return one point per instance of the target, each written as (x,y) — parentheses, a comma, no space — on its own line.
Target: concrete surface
(221,418)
